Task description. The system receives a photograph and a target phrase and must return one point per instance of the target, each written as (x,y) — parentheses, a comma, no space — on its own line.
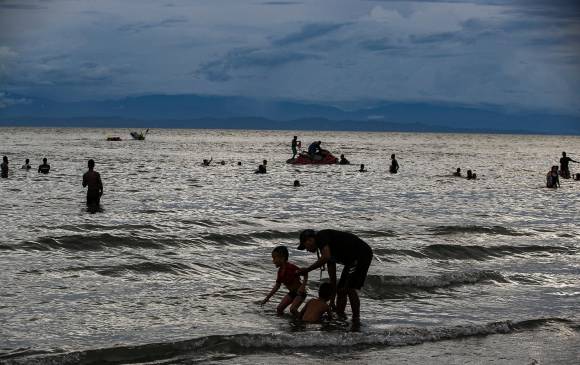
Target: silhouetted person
(26,165)
(239,163)
(314,148)
(296,183)
(265,163)
(457,172)
(45,167)
(564,168)
(207,162)
(362,168)
(394,165)
(552,180)
(343,160)
(261,170)
(92,179)
(222,162)
(336,247)
(4,167)
(471,175)
(577,177)
(295,145)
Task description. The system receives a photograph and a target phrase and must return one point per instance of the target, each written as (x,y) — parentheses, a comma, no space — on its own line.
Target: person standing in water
(92,179)
(344,248)
(4,167)
(394,165)
(564,165)
(45,167)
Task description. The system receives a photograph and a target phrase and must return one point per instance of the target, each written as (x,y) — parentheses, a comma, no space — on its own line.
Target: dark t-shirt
(45,169)
(564,161)
(345,247)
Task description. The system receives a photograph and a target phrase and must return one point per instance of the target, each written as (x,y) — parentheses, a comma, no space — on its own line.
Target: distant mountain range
(195,111)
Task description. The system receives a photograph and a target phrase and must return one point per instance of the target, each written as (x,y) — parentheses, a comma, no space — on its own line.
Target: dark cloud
(21,5)
(282,3)
(308,32)
(221,70)
(139,27)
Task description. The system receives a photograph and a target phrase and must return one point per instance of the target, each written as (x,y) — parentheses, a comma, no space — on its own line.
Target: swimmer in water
(261,170)
(343,161)
(45,167)
(207,162)
(26,165)
(471,175)
(362,168)
(296,183)
(457,173)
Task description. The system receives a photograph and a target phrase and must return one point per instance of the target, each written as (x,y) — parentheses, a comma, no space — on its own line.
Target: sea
(173,268)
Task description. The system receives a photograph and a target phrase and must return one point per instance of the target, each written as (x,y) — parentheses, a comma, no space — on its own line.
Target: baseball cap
(304,235)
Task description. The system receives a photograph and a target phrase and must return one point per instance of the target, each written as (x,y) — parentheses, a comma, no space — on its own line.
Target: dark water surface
(468,271)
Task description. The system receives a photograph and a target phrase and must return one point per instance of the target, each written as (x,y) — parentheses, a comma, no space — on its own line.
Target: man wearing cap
(344,248)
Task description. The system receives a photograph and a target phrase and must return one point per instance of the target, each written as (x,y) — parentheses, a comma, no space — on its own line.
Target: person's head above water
(265,162)
(222,162)
(239,163)
(362,167)
(325,291)
(91,164)
(458,169)
(296,183)
(342,157)
(27,161)
(307,240)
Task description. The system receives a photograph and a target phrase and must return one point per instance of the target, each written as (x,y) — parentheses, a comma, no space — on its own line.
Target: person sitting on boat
(314,148)
(343,160)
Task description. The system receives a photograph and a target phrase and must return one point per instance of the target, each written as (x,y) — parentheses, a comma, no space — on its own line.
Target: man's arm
(332,276)
(324,258)
(85,183)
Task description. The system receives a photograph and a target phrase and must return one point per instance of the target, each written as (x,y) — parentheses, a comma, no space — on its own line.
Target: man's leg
(354,303)
(340,301)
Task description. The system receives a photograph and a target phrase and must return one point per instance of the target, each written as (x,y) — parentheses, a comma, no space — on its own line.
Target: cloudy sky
(513,53)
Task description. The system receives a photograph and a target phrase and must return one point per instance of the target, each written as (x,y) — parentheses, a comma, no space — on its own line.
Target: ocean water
(170,271)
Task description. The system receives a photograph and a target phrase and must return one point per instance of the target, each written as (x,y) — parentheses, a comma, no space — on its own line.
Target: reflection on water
(181,251)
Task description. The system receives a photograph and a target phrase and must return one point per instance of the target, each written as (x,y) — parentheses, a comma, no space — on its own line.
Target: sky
(520,54)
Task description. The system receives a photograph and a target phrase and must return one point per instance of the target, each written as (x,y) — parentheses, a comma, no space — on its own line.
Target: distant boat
(114,139)
(139,136)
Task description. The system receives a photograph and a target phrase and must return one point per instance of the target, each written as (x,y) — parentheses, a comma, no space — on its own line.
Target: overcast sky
(515,53)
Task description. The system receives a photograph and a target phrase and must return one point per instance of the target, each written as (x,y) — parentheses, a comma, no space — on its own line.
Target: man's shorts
(354,274)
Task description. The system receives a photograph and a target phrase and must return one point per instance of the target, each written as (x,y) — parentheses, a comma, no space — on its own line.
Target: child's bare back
(314,309)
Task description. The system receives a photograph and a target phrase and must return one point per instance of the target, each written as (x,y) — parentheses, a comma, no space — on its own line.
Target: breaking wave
(245,343)
(492,230)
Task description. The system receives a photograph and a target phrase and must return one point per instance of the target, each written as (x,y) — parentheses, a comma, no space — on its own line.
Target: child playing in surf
(316,308)
(287,276)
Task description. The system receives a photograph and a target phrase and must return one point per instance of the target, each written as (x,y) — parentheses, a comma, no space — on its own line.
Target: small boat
(114,139)
(326,158)
(139,136)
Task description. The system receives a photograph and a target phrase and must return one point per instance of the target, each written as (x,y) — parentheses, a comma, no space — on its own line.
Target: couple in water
(332,247)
